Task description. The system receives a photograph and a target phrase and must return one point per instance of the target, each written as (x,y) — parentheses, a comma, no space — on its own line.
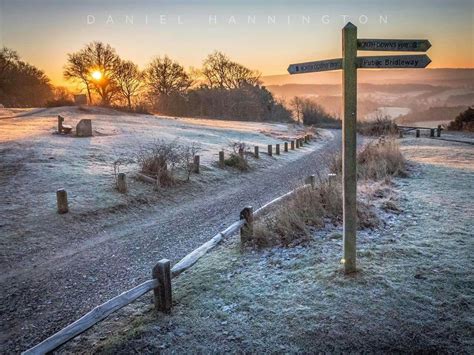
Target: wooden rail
(89,319)
(101,312)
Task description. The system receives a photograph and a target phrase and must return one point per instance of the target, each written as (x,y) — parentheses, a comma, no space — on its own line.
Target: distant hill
(445,77)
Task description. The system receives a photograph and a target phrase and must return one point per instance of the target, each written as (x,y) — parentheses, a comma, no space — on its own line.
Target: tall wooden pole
(349,144)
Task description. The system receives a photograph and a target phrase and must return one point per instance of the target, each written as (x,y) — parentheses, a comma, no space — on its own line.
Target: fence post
(297,143)
(162,293)
(61,198)
(306,138)
(417,133)
(432,132)
(400,134)
(312,180)
(122,182)
(221,159)
(292,144)
(439,131)
(301,142)
(277,148)
(256,153)
(270,151)
(285,146)
(196,164)
(246,231)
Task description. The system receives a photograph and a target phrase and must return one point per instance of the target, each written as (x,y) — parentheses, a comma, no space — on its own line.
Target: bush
(238,157)
(314,114)
(162,160)
(307,209)
(378,160)
(463,122)
(313,208)
(59,102)
(378,127)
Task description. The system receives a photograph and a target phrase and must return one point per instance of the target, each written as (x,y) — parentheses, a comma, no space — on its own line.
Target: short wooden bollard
(122,182)
(221,159)
(306,139)
(270,150)
(417,133)
(400,134)
(196,164)
(297,143)
(246,231)
(292,145)
(285,147)
(277,149)
(61,197)
(438,133)
(256,152)
(301,142)
(162,295)
(312,181)
(432,131)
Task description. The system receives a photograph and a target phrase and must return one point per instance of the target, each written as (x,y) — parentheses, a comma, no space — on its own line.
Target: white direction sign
(321,65)
(403,45)
(394,61)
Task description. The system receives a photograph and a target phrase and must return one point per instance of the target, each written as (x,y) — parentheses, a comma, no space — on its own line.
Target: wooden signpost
(349,64)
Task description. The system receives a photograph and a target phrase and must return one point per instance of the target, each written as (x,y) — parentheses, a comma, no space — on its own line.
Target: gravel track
(113,257)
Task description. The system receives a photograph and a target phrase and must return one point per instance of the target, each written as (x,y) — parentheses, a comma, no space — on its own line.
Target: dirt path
(413,292)
(107,258)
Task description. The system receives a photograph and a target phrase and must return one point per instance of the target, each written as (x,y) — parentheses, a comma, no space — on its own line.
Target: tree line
(222,88)
(22,84)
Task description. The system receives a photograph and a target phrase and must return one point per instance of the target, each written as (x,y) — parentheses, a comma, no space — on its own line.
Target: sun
(97,75)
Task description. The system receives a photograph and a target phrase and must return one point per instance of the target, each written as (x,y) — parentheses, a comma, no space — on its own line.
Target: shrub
(308,208)
(238,157)
(377,160)
(378,127)
(163,159)
(314,114)
(463,122)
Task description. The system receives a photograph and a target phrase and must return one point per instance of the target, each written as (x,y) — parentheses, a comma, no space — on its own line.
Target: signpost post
(349,64)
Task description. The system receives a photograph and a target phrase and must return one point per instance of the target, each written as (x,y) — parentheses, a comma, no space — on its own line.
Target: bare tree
(95,66)
(165,77)
(297,105)
(129,81)
(221,72)
(78,69)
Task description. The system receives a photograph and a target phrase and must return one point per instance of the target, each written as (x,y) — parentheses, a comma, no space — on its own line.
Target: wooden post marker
(417,133)
(312,181)
(277,149)
(246,232)
(270,150)
(438,132)
(349,64)
(292,145)
(285,147)
(61,198)
(196,164)
(122,182)
(255,152)
(221,159)
(400,134)
(162,294)
(432,131)
(297,143)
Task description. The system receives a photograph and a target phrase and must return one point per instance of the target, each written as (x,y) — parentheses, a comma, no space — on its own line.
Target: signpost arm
(349,147)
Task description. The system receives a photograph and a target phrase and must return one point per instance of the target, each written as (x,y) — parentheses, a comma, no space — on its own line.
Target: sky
(263,35)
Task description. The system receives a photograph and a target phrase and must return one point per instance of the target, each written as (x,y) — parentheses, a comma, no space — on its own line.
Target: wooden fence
(161,279)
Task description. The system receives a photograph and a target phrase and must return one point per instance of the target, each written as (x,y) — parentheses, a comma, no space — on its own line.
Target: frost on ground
(35,162)
(413,293)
